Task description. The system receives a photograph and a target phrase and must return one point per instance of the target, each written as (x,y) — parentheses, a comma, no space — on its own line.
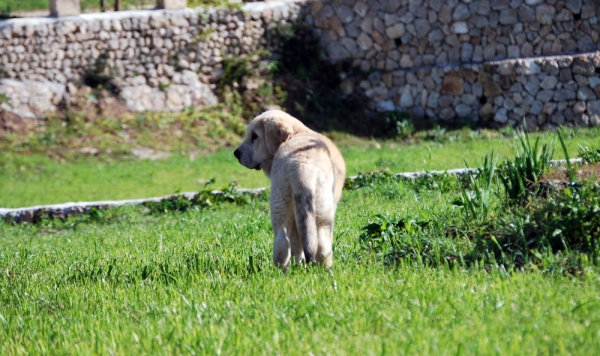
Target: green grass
(33,5)
(201,282)
(131,281)
(37,180)
(9,6)
(27,180)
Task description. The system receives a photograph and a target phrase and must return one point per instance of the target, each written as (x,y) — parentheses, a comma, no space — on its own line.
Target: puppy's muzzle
(237,154)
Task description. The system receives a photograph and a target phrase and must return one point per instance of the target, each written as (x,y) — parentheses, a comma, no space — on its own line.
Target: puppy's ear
(276,133)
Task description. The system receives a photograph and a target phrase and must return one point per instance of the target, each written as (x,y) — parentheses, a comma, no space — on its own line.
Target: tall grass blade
(569,165)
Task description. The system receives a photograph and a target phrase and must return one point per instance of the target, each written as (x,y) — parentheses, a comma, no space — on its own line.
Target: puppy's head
(264,135)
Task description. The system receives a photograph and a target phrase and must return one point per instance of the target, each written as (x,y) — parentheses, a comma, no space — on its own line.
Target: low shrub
(568,222)
(410,240)
(589,155)
(399,126)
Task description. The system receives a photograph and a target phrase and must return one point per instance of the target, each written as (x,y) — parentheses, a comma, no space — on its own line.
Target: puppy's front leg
(280,220)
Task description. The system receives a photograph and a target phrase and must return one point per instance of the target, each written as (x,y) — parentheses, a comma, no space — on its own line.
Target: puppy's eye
(253,137)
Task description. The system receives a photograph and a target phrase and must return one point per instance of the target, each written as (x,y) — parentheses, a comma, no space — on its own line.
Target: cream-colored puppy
(307,174)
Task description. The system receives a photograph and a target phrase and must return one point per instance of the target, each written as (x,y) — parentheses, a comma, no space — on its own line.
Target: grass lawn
(27,180)
(127,281)
(8,7)
(201,282)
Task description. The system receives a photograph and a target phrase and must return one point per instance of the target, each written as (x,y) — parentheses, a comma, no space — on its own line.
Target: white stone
(460,27)
(594,81)
(385,105)
(529,67)
(406,100)
(501,116)
(396,31)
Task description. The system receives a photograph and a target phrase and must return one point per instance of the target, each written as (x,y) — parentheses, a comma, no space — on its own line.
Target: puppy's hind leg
(325,220)
(281,248)
(325,251)
(295,241)
(306,222)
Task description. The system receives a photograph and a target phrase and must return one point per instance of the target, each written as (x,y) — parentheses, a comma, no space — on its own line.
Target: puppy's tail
(306,221)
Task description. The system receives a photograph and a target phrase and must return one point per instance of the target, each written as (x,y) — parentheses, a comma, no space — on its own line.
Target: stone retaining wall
(546,91)
(394,34)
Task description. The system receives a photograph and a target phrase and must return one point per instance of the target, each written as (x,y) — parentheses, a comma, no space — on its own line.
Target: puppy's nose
(236,153)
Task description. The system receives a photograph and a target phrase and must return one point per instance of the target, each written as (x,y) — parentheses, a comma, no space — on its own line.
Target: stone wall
(394,34)
(544,91)
(495,61)
(161,59)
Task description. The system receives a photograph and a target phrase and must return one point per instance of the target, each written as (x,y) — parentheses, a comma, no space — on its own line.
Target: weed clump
(206,198)
(511,217)
(589,155)
(399,126)
(441,182)
(566,223)
(409,240)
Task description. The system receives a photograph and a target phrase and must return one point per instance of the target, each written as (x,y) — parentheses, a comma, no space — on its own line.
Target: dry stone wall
(393,34)
(498,62)
(545,91)
(162,60)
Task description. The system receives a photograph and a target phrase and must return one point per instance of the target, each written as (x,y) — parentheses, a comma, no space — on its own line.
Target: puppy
(307,174)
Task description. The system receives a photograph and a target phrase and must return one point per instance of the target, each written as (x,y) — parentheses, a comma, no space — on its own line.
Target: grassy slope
(183,283)
(32,5)
(31,180)
(23,5)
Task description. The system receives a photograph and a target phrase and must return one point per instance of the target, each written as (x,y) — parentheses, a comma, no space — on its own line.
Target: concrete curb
(29,214)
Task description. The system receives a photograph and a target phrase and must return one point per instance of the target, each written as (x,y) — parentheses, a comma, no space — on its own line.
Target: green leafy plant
(204,199)
(528,166)
(164,86)
(436,133)
(443,182)
(409,240)
(566,223)
(368,179)
(589,155)
(235,69)
(399,126)
(476,195)
(385,233)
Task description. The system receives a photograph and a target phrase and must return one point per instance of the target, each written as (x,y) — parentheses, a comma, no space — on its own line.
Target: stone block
(171,4)
(61,8)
